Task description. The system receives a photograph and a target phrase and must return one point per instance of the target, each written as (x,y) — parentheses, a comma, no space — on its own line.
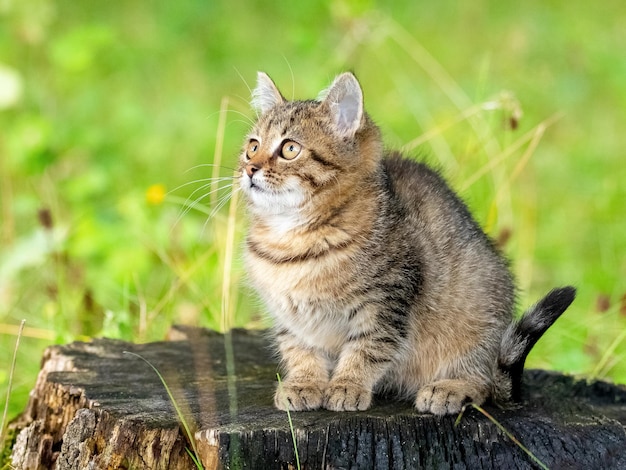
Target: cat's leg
(361,365)
(449,396)
(306,376)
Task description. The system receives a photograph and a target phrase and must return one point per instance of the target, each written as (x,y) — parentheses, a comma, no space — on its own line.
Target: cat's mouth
(261,186)
(274,199)
(265,195)
(268,192)
(250,184)
(258,187)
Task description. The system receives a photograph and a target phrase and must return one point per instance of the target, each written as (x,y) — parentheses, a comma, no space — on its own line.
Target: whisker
(248,123)
(248,119)
(197,203)
(187,208)
(293,80)
(220,203)
(243,79)
(247,86)
(210,165)
(212,191)
(202,180)
(203,187)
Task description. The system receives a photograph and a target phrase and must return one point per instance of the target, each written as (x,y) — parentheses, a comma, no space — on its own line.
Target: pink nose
(251,169)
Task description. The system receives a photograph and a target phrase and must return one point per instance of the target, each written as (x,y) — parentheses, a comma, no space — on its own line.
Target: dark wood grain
(95,407)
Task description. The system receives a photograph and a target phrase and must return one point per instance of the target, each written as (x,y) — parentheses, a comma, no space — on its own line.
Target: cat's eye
(290,150)
(252,149)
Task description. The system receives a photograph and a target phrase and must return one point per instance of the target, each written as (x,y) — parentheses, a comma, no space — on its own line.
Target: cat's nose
(251,169)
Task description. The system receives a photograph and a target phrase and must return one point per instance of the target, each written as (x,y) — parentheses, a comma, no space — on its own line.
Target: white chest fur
(304,297)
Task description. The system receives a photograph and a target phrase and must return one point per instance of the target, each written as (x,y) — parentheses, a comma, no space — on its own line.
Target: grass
(188,432)
(3,422)
(115,118)
(506,432)
(291,428)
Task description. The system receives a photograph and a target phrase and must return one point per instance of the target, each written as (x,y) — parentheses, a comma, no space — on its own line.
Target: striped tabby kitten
(377,276)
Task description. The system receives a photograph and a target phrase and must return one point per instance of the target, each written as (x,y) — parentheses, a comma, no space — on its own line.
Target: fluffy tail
(521,336)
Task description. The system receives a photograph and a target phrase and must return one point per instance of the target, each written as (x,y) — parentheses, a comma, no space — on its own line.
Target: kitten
(375,273)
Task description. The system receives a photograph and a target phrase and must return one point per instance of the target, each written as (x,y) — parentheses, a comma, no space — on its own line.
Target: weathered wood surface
(95,407)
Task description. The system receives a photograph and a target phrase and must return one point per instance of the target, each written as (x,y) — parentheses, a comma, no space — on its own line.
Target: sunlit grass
(3,421)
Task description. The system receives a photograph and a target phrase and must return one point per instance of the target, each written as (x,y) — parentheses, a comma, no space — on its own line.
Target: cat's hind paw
(344,396)
(448,396)
(296,396)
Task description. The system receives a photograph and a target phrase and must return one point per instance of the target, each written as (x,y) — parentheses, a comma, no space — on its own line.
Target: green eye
(290,150)
(252,148)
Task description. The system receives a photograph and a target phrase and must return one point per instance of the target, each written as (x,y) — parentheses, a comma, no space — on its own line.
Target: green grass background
(103,105)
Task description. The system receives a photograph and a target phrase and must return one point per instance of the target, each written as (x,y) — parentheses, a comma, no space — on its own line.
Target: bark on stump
(95,407)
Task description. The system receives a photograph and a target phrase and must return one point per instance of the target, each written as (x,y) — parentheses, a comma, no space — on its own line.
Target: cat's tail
(521,336)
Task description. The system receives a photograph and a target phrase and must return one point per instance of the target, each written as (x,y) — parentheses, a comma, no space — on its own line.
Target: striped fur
(375,273)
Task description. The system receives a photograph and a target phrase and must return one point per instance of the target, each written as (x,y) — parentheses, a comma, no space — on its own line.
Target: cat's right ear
(265,96)
(344,98)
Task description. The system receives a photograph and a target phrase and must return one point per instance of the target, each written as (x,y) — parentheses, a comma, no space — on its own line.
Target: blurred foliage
(110,114)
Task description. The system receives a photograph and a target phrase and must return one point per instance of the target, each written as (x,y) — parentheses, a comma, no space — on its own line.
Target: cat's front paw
(448,397)
(298,396)
(347,396)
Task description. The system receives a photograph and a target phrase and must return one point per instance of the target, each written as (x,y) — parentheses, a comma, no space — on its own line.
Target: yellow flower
(155,194)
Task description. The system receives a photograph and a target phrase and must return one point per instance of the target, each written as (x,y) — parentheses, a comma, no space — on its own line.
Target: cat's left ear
(345,101)
(266,95)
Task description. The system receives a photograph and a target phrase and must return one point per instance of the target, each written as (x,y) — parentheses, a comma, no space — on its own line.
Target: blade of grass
(26,332)
(607,355)
(10,384)
(504,188)
(183,274)
(179,413)
(194,457)
(227,308)
(439,75)
(293,433)
(440,129)
(510,150)
(538,133)
(503,430)
(219,146)
(229,250)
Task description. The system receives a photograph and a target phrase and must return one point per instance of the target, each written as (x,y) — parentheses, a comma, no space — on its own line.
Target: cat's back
(451,244)
(427,200)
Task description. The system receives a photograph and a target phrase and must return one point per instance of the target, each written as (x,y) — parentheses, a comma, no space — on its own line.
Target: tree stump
(95,407)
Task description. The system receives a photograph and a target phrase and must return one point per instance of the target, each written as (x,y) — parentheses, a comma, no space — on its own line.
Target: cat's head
(300,152)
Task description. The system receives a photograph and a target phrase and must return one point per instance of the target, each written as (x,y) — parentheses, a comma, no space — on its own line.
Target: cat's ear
(265,96)
(344,99)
